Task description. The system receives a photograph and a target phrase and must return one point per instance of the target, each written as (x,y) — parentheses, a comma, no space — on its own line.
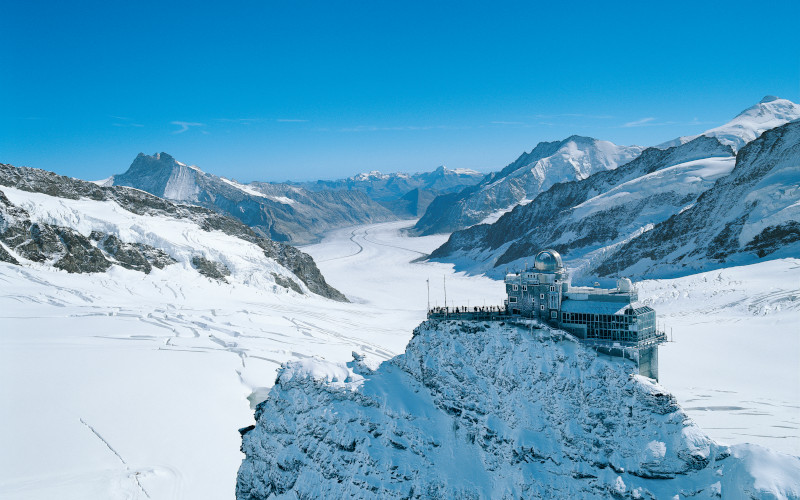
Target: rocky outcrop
(486,410)
(214,270)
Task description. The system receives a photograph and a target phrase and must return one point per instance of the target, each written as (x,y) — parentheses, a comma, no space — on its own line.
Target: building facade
(611,320)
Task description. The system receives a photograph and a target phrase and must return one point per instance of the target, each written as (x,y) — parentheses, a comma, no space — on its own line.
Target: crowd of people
(463,310)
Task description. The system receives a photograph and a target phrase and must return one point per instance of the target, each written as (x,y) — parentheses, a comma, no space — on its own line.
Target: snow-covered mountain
(279,211)
(602,218)
(574,158)
(769,113)
(80,227)
(406,195)
(474,410)
(586,219)
(751,214)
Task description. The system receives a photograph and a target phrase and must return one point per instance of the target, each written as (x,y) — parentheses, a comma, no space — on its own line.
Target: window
(542,306)
(541,296)
(552,289)
(514,287)
(524,288)
(513,300)
(553,314)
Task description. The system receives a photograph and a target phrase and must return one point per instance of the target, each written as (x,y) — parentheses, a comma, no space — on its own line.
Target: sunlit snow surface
(117,384)
(735,362)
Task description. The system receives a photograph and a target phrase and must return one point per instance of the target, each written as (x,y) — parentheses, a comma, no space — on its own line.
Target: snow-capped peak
(371,175)
(767,114)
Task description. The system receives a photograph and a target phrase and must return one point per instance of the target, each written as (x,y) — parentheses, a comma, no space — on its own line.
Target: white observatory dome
(548,260)
(624,285)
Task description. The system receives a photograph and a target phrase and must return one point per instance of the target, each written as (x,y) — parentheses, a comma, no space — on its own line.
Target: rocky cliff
(479,410)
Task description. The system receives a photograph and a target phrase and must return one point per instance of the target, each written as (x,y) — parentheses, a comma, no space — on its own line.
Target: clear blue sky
(302,90)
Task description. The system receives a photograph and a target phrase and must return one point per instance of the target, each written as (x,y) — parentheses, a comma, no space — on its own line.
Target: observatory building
(611,320)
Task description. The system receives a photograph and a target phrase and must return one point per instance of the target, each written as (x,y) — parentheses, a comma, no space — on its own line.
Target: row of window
(525,288)
(611,319)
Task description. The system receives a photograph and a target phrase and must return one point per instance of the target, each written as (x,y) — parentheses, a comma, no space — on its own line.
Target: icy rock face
(279,211)
(548,163)
(752,213)
(587,219)
(97,249)
(479,410)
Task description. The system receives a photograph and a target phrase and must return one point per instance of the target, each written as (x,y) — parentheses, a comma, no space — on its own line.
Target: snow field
(117,384)
(125,385)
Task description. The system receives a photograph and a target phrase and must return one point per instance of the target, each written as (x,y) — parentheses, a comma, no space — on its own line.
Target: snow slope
(480,410)
(80,227)
(769,113)
(161,365)
(734,362)
(614,221)
(132,385)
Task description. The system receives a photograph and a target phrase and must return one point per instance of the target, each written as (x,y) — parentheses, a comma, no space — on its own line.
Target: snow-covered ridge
(495,410)
(753,213)
(549,163)
(767,114)
(80,227)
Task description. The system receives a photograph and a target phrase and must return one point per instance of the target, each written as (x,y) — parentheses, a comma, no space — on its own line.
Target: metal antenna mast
(428,281)
(444,280)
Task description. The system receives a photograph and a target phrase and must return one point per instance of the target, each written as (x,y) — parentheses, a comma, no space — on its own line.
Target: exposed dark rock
(773,238)
(7,257)
(134,256)
(214,270)
(286,283)
(80,256)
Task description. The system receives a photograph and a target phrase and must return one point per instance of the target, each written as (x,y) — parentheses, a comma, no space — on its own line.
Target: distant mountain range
(296,213)
(671,211)
(280,212)
(549,163)
(406,195)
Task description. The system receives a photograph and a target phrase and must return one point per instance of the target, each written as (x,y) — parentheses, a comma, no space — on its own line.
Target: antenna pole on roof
(444,281)
(428,281)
